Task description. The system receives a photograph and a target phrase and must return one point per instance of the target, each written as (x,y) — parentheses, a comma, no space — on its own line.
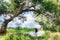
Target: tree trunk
(4,25)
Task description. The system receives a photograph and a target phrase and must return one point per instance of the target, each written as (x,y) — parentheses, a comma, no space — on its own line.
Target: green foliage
(50,6)
(35,1)
(56,21)
(41,10)
(17,2)
(4,6)
(10,7)
(54,27)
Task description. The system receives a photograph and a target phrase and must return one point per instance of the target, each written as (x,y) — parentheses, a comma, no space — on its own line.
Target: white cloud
(31,24)
(7,17)
(16,20)
(29,16)
(11,24)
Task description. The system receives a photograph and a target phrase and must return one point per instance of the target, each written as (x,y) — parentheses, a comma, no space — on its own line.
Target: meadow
(19,34)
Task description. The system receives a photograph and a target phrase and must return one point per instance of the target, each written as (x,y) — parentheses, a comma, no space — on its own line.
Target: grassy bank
(18,34)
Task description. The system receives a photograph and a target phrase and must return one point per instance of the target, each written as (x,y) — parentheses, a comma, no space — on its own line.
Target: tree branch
(15,14)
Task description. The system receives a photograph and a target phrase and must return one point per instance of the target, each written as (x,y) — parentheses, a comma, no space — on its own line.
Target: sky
(30,23)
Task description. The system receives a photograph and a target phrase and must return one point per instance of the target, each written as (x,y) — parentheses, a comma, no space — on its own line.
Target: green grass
(20,29)
(18,34)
